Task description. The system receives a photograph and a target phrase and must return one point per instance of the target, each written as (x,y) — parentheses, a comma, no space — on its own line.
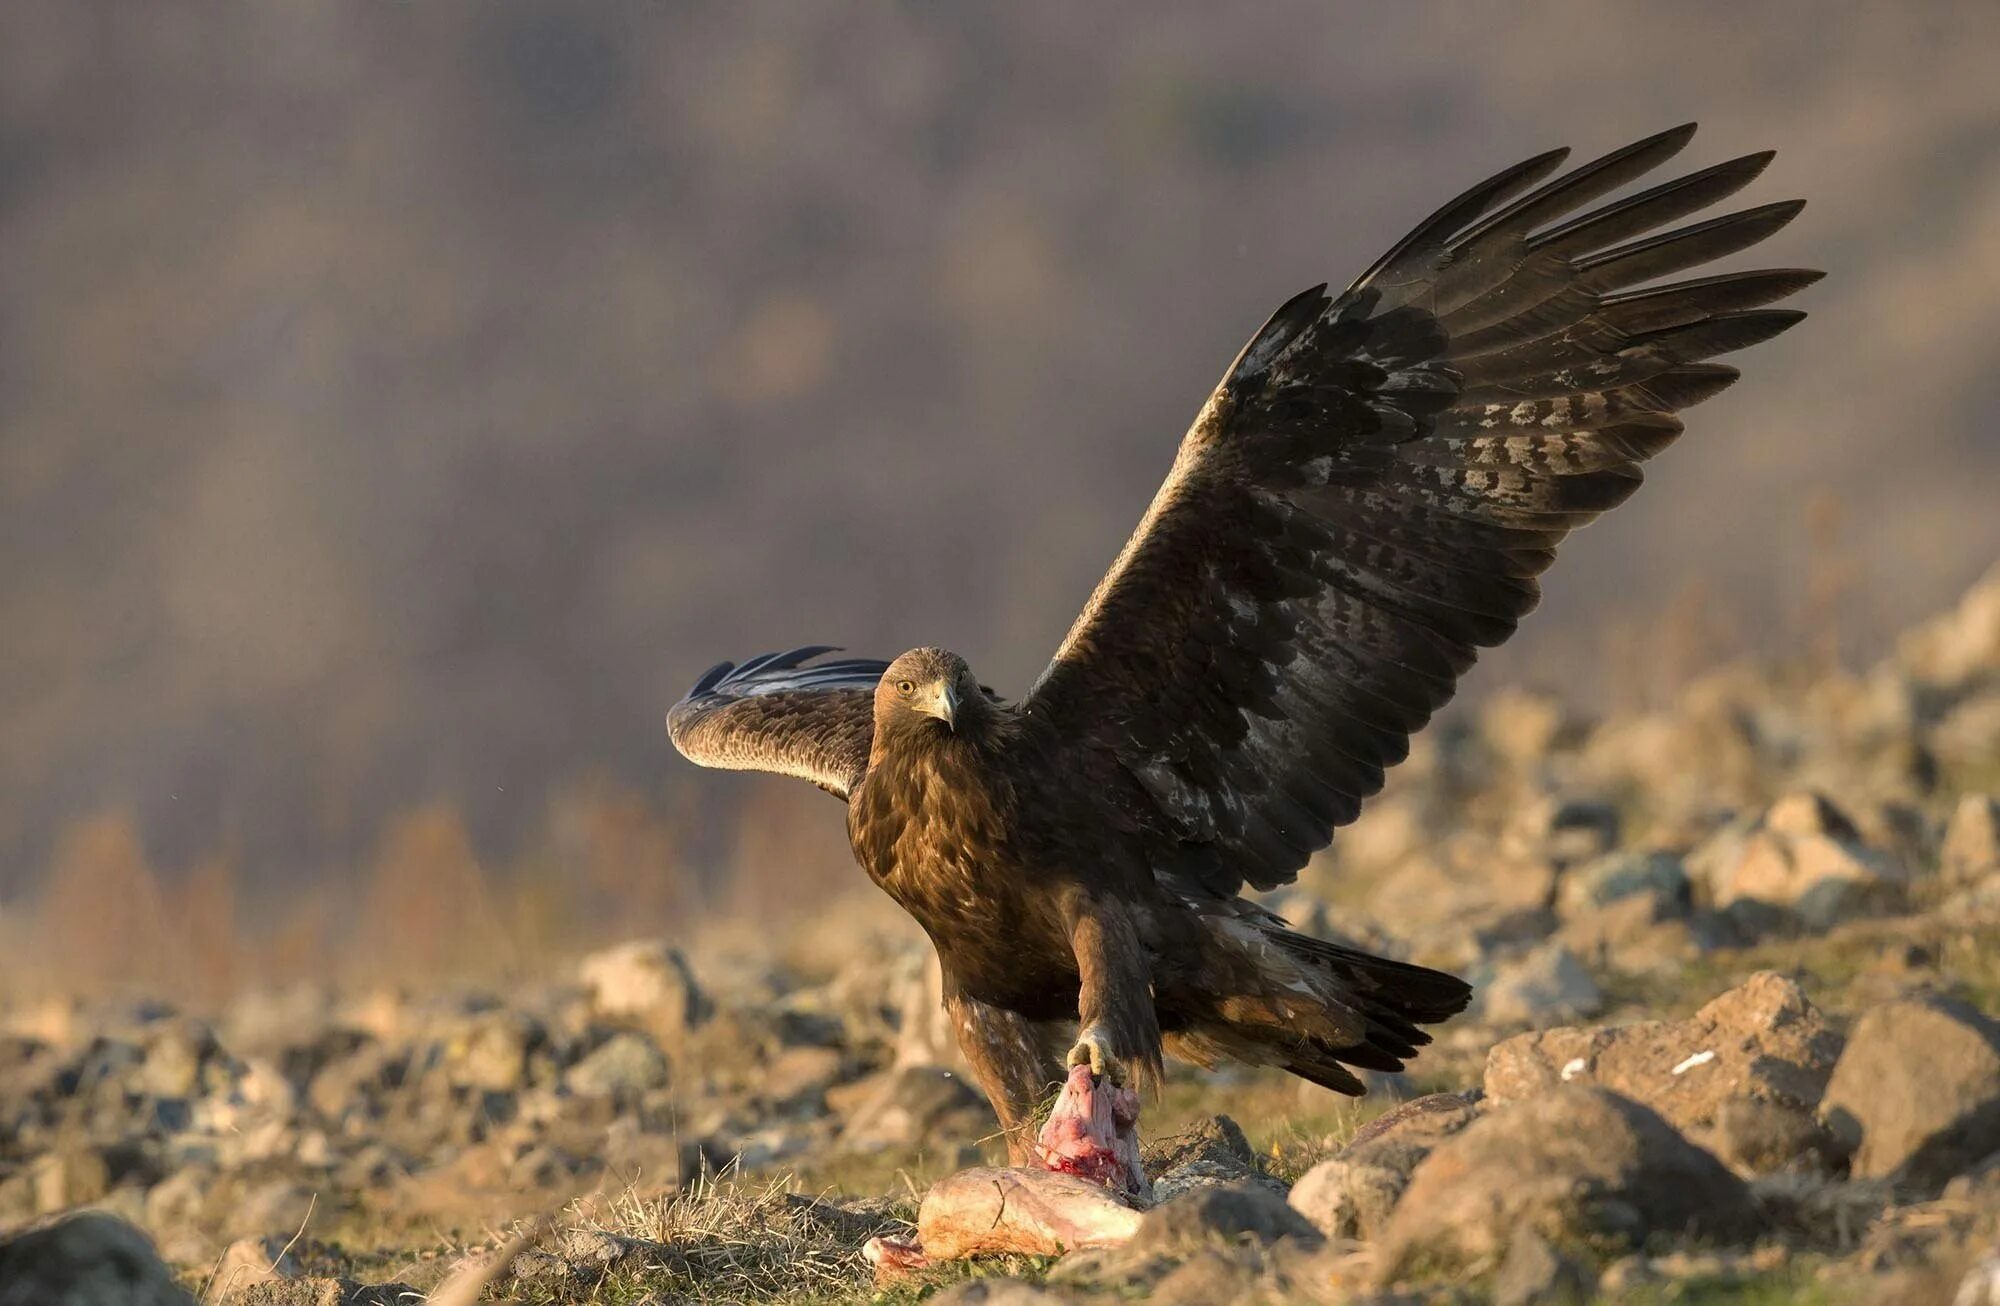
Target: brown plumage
(1364,501)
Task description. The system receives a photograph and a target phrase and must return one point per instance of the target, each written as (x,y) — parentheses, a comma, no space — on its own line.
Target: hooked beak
(943,705)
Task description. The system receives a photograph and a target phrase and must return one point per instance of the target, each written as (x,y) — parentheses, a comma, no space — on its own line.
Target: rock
(625,1066)
(1459,899)
(1352,1193)
(1207,1277)
(1520,726)
(905,1107)
(583,1257)
(1565,832)
(799,1077)
(71,1175)
(1233,1212)
(1971,850)
(1573,1163)
(1211,1153)
(272,1204)
(1547,985)
(248,1262)
(1956,647)
(1981,1284)
(1916,1095)
(86,1260)
(1806,856)
(1640,935)
(1761,1040)
(647,982)
(490,1050)
(1658,877)
(1536,1274)
(1761,1137)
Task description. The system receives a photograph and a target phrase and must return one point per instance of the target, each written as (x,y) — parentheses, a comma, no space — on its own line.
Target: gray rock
(1916,1095)
(1536,1274)
(1232,1212)
(1762,1040)
(1762,1137)
(1805,856)
(490,1050)
(1573,1163)
(1547,985)
(86,1260)
(907,1106)
(647,982)
(1353,1193)
(1212,1153)
(1971,850)
(626,1065)
(1655,876)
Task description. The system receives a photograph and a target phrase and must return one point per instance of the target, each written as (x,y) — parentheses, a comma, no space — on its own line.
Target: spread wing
(775,714)
(1369,495)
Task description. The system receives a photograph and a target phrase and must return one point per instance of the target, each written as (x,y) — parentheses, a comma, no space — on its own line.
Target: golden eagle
(1364,502)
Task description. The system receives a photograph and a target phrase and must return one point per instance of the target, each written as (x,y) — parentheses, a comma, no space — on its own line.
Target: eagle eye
(905,687)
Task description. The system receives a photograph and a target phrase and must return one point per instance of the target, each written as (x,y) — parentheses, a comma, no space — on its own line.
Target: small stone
(1805,856)
(626,1065)
(251,1261)
(1971,850)
(1211,1153)
(1243,1211)
(1916,1095)
(490,1050)
(1760,1137)
(906,1107)
(1655,876)
(1545,987)
(72,1175)
(1352,1193)
(646,981)
(1536,1274)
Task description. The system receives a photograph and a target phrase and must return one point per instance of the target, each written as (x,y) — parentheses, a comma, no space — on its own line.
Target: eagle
(1364,502)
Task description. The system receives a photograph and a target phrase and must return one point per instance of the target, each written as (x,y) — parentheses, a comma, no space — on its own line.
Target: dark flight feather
(1422,444)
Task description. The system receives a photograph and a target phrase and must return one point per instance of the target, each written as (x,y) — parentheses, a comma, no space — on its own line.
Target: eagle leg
(1012,1062)
(1120,1035)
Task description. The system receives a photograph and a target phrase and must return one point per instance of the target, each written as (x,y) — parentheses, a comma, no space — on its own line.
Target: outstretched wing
(775,714)
(1369,495)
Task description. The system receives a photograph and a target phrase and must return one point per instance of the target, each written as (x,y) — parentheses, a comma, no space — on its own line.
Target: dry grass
(723,1239)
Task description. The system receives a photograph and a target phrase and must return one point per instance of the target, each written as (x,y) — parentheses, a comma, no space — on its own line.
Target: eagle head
(926,682)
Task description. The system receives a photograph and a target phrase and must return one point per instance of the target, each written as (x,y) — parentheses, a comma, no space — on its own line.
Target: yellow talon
(1090,1049)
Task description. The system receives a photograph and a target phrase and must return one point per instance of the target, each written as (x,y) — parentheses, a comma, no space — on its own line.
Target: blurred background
(400,404)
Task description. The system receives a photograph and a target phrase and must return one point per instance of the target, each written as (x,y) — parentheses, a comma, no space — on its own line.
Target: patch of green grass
(1786,1287)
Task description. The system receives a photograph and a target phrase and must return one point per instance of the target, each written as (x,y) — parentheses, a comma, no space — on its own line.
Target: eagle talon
(1092,1049)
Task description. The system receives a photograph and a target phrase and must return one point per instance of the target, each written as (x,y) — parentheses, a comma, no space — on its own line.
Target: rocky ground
(1738,960)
